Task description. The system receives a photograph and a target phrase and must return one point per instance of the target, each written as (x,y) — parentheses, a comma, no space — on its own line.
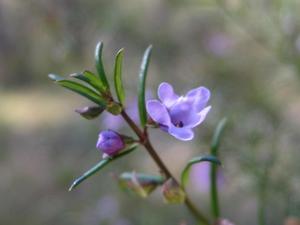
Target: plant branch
(143,136)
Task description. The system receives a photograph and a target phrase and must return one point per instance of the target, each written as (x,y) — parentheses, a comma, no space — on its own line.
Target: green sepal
(118,77)
(91,79)
(173,193)
(79,89)
(100,165)
(142,86)
(138,183)
(186,171)
(99,65)
(128,140)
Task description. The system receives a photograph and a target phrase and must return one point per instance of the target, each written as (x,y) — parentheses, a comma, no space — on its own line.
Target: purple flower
(177,115)
(110,142)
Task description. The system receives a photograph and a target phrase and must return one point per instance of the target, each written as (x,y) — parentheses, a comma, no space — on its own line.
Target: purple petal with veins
(166,94)
(184,134)
(200,97)
(158,112)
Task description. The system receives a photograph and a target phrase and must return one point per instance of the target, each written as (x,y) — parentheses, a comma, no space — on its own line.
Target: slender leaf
(100,165)
(99,65)
(216,136)
(142,86)
(118,76)
(78,88)
(185,173)
(91,79)
(215,143)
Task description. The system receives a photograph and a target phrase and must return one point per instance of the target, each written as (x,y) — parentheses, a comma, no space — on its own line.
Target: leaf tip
(121,51)
(224,121)
(99,46)
(148,50)
(75,74)
(73,185)
(54,77)
(98,53)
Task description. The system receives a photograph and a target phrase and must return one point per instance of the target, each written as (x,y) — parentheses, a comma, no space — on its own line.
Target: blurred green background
(246,52)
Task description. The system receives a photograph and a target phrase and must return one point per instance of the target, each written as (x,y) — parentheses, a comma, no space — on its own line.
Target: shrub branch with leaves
(174,114)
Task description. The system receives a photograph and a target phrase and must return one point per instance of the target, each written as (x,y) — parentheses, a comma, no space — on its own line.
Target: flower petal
(181,111)
(158,112)
(166,94)
(198,118)
(199,96)
(184,134)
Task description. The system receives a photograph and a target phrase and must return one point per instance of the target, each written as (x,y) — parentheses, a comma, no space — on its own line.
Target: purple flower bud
(110,142)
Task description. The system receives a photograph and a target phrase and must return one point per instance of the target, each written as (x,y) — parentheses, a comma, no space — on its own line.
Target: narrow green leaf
(118,76)
(99,65)
(142,86)
(78,88)
(216,136)
(100,165)
(215,143)
(91,79)
(186,171)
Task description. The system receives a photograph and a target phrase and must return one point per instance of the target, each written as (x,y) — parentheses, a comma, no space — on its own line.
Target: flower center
(179,124)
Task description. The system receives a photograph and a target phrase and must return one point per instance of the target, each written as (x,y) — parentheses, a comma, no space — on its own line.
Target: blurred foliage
(246,52)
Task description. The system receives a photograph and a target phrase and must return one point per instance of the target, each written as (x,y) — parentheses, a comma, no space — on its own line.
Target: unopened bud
(110,142)
(140,184)
(90,112)
(172,192)
(114,108)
